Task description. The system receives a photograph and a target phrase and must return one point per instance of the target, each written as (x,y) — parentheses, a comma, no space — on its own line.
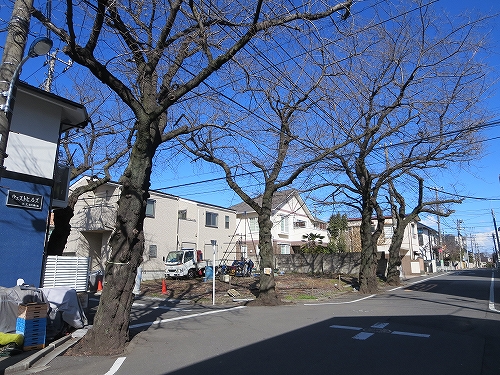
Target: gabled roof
(280,198)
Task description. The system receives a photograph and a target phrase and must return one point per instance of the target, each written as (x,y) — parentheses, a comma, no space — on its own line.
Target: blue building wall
(22,234)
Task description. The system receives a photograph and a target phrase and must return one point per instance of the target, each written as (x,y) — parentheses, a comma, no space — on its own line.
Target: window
(420,239)
(226,222)
(189,256)
(388,232)
(182,214)
(320,225)
(253,224)
(284,248)
(284,224)
(150,208)
(211,219)
(299,224)
(153,251)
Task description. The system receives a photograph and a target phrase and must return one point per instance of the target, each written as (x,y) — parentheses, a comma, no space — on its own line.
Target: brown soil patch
(289,287)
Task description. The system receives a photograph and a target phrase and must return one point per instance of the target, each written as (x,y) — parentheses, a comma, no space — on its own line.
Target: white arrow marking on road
(377,328)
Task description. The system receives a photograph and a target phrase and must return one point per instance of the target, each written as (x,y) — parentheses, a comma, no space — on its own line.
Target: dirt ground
(290,288)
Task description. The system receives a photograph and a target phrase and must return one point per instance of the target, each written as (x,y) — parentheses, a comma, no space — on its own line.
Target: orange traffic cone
(163,287)
(99,285)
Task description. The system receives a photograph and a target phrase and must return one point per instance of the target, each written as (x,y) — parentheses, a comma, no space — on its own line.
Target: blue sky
(480,181)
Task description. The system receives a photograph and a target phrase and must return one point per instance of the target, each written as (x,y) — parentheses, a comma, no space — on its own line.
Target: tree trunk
(109,334)
(62,229)
(395,258)
(267,289)
(368,267)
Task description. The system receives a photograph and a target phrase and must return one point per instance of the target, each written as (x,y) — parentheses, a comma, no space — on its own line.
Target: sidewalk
(26,360)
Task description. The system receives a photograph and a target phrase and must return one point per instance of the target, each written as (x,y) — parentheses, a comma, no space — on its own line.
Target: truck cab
(184,263)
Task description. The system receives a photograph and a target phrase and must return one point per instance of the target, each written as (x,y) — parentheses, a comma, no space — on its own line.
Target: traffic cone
(163,287)
(99,285)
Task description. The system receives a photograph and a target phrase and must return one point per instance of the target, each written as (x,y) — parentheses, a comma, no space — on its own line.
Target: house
(411,259)
(29,179)
(291,221)
(171,223)
(430,250)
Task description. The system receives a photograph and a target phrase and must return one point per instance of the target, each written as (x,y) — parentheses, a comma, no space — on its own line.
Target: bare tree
(413,82)
(403,219)
(99,150)
(153,54)
(266,145)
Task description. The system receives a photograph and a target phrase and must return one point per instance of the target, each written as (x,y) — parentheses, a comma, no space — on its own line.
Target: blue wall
(22,234)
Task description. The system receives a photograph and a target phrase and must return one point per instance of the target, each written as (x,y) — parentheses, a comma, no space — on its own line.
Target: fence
(345,263)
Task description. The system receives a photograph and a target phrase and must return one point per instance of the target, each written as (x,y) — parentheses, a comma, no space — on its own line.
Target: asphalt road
(443,324)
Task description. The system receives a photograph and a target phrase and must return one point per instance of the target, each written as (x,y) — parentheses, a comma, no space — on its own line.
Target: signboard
(24,200)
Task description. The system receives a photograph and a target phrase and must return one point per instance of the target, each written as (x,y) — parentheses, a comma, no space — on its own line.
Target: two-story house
(430,250)
(171,223)
(291,221)
(411,258)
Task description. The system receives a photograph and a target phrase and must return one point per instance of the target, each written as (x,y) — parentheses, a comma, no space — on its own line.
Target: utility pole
(496,231)
(495,255)
(440,249)
(391,193)
(13,53)
(459,241)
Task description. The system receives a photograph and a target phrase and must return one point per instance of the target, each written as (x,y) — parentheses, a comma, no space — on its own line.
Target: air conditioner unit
(60,190)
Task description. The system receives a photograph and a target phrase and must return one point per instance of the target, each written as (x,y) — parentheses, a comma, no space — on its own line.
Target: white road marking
(116,366)
(372,295)
(425,335)
(339,303)
(491,304)
(185,317)
(347,327)
(377,328)
(362,336)
(416,282)
(135,304)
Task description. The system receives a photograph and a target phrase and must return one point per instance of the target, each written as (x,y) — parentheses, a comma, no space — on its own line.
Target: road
(443,324)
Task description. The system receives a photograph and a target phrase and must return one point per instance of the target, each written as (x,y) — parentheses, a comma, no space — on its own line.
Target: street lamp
(39,47)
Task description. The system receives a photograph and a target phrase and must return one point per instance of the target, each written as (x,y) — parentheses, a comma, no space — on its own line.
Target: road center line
(185,317)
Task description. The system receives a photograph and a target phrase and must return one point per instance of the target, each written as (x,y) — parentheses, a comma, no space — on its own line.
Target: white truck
(185,263)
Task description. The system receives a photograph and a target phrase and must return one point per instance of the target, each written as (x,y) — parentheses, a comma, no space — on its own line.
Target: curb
(28,362)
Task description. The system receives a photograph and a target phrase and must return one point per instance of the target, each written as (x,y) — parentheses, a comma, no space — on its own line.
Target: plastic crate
(31,326)
(32,340)
(32,310)
(33,347)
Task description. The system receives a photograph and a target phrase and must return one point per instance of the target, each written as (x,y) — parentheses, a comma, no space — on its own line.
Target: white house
(429,246)
(291,221)
(171,223)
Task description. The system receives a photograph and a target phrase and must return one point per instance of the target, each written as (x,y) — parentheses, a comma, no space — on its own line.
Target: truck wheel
(191,274)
